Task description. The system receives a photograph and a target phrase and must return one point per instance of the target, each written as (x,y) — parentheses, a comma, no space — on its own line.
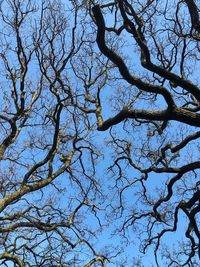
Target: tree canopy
(99,138)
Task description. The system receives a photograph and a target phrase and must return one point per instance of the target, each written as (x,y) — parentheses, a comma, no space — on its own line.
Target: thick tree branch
(194,14)
(176,114)
(145,54)
(118,61)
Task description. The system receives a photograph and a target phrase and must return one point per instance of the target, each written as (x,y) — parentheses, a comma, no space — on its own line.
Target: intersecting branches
(153,159)
(48,183)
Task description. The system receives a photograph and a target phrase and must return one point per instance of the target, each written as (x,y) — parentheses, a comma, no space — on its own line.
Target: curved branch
(177,114)
(194,14)
(13,258)
(118,61)
(145,54)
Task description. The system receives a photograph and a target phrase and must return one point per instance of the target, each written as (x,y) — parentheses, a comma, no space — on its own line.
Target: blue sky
(113,97)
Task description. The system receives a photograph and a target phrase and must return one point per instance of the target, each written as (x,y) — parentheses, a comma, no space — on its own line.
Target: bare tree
(154,127)
(48,186)
(125,68)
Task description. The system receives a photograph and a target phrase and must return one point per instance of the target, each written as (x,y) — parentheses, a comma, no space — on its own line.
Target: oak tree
(155,120)
(99,134)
